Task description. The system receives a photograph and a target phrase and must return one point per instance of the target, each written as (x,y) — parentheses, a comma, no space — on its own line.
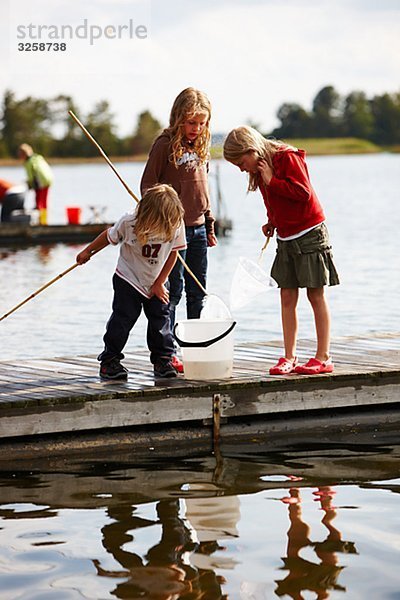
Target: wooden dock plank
(61,394)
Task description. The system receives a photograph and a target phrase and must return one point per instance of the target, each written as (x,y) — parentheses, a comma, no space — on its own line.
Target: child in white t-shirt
(150,238)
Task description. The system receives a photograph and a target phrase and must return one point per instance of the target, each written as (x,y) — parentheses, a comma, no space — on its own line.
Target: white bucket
(207,347)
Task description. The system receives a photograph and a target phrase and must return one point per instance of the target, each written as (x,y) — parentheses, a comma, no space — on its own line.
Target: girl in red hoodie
(304,257)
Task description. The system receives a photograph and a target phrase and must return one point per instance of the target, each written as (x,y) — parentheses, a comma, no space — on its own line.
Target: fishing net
(249,281)
(215,308)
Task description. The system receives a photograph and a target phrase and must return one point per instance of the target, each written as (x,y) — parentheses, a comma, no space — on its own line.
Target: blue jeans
(195,257)
(127,306)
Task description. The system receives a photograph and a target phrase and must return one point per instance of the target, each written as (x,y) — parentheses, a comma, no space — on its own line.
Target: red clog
(284,366)
(315,367)
(177,364)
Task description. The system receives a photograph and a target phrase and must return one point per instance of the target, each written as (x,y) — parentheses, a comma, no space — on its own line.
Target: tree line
(46,125)
(376,119)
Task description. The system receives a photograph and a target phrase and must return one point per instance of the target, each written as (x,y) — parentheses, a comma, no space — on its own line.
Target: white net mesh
(249,280)
(214,308)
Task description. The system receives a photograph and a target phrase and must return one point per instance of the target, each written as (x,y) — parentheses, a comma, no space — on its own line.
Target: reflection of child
(304,258)
(304,574)
(165,576)
(179,157)
(150,238)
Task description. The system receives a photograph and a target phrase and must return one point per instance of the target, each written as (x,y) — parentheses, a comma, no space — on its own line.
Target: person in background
(39,177)
(304,256)
(149,238)
(179,156)
(12,197)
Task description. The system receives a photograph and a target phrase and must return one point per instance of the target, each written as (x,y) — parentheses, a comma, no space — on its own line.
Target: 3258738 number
(42,47)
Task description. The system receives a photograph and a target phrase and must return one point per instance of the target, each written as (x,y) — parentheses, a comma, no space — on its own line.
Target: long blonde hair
(159,214)
(187,104)
(245,139)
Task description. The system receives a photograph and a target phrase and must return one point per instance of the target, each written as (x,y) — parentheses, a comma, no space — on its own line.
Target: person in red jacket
(304,256)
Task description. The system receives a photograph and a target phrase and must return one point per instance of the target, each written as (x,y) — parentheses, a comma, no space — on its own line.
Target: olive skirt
(305,262)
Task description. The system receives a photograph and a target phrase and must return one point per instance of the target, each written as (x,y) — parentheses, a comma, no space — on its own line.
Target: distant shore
(329,146)
(313,147)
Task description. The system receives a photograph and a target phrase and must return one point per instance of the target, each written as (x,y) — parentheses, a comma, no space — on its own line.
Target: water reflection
(181,564)
(307,575)
(162,574)
(198,528)
(43,254)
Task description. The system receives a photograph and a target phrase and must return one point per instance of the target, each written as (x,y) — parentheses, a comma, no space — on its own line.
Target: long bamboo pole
(41,289)
(130,192)
(103,154)
(46,285)
(128,189)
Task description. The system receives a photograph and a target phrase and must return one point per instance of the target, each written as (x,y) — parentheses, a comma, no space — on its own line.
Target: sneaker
(177,364)
(164,368)
(315,367)
(112,369)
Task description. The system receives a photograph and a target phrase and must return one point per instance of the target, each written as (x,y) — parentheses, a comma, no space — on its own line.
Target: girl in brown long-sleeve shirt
(179,156)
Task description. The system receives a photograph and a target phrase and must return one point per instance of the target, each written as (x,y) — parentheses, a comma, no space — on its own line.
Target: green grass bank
(313,146)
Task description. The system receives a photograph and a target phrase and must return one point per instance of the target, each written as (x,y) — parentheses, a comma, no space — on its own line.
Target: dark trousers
(127,306)
(195,257)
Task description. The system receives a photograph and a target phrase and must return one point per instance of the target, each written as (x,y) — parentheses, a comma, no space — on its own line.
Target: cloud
(249,57)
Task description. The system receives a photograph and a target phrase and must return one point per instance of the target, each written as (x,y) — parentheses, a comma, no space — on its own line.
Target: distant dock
(41,398)
(21,234)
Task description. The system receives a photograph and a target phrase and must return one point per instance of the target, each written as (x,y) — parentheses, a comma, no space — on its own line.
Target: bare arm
(98,244)
(158,288)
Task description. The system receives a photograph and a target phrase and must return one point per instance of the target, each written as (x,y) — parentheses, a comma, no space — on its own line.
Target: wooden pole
(128,189)
(104,155)
(46,285)
(130,192)
(264,248)
(41,289)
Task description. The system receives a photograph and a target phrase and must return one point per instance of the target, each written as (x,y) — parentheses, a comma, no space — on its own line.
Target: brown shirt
(190,183)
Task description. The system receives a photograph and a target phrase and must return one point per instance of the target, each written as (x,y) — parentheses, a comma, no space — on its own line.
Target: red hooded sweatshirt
(291,203)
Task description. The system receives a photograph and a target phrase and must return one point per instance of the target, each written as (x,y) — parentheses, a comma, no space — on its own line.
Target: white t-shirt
(137,264)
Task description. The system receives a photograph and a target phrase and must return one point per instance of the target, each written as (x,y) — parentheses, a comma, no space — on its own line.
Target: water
(360,195)
(315,522)
(204,369)
(311,523)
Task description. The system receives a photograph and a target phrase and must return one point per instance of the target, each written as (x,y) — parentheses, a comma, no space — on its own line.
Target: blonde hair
(159,214)
(187,104)
(246,139)
(26,150)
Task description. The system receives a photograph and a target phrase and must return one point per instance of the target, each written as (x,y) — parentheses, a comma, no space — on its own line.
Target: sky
(249,57)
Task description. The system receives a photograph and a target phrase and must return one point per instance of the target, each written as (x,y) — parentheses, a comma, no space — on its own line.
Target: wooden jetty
(65,397)
(25,234)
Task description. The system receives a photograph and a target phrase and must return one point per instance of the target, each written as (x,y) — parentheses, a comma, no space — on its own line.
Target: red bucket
(73,215)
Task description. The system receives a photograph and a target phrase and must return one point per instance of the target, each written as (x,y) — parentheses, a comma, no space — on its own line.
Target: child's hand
(83,256)
(268,229)
(158,289)
(265,171)
(211,240)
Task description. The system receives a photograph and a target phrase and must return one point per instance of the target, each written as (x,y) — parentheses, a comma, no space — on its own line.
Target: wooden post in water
(216,438)
(216,420)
